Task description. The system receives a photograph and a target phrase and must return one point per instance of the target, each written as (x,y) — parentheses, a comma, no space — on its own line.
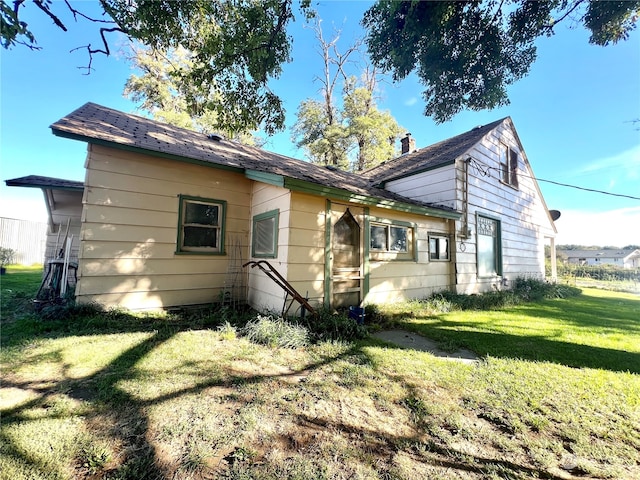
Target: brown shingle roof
(436,155)
(45,182)
(95,123)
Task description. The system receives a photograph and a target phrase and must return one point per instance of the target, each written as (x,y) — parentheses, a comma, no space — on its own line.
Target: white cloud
(410,102)
(614,227)
(626,163)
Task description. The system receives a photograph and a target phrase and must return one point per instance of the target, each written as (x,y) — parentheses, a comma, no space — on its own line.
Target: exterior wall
(437,186)
(306,238)
(521,211)
(68,208)
(524,220)
(264,294)
(393,280)
(129,231)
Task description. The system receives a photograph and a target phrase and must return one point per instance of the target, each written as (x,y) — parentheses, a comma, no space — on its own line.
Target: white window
(265,235)
(508,166)
(201,225)
(439,248)
(489,255)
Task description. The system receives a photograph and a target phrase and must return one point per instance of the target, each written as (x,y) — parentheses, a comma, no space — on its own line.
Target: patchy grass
(121,397)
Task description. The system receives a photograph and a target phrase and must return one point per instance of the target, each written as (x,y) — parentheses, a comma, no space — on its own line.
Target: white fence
(27,238)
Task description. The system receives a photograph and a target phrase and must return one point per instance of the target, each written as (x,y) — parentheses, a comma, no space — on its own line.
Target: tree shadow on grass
(107,399)
(530,347)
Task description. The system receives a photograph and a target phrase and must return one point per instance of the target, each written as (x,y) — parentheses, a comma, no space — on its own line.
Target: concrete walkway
(406,339)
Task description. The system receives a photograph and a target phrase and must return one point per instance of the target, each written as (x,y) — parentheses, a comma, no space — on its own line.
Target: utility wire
(484,170)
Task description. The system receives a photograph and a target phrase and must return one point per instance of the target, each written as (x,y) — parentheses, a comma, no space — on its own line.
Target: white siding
(521,211)
(436,186)
(264,294)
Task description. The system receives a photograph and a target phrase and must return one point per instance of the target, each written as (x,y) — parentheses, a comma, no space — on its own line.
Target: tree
(467,52)
(155,86)
(237,45)
(319,128)
(329,134)
(374,132)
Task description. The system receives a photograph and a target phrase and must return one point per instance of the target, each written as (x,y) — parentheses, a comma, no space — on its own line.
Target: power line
(588,189)
(484,170)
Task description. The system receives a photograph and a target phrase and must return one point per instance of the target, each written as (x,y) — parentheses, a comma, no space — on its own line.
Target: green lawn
(556,396)
(600,329)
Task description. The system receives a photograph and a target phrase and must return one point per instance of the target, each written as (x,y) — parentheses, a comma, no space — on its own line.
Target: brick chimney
(408,143)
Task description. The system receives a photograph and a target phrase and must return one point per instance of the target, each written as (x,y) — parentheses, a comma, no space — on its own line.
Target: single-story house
(169,216)
(629,258)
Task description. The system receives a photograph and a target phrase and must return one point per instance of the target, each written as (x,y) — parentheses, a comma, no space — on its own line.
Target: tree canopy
(237,46)
(156,87)
(467,52)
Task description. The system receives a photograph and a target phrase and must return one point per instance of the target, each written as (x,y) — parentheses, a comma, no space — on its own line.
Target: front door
(346,255)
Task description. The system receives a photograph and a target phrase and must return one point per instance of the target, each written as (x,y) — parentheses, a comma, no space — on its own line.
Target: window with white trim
(489,255)
(439,248)
(201,225)
(265,235)
(508,166)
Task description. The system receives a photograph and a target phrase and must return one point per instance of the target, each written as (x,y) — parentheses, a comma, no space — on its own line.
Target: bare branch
(50,14)
(78,12)
(104,50)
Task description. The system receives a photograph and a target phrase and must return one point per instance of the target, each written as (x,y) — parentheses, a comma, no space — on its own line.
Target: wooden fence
(28,239)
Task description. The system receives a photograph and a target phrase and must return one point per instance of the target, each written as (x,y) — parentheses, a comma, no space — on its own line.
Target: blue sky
(573,114)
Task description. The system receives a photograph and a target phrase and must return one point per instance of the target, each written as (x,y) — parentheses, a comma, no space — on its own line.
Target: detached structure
(629,258)
(63,199)
(170,215)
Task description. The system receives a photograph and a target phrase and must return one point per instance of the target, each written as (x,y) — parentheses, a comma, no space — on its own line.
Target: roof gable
(439,154)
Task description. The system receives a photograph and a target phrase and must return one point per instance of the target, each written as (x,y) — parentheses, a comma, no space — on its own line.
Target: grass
(123,397)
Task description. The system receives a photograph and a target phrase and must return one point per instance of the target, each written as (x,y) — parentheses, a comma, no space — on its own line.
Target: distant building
(618,257)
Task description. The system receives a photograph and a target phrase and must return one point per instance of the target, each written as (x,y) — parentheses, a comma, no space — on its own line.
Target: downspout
(465,232)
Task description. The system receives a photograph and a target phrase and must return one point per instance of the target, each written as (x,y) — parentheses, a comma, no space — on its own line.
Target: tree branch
(78,12)
(549,28)
(50,14)
(105,51)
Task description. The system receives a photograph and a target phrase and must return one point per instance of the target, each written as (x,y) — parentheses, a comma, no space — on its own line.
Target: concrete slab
(406,339)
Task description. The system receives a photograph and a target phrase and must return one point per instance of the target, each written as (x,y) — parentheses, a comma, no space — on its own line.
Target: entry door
(346,250)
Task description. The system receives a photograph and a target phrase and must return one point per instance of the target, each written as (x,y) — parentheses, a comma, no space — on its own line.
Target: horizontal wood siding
(396,280)
(521,211)
(306,239)
(264,294)
(67,211)
(130,225)
(434,186)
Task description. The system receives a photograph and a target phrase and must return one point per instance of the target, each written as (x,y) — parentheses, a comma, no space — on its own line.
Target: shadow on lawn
(129,424)
(536,348)
(138,458)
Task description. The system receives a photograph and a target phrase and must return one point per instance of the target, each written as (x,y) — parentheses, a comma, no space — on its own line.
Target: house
(629,258)
(169,216)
